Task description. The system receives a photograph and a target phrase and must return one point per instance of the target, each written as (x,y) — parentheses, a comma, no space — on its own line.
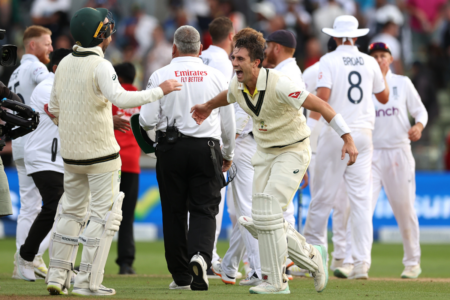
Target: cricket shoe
(411,272)
(102,291)
(266,288)
(197,268)
(40,269)
(211,274)
(319,256)
(23,269)
(217,269)
(336,263)
(344,271)
(289,275)
(247,269)
(174,286)
(251,280)
(55,288)
(289,263)
(297,271)
(360,271)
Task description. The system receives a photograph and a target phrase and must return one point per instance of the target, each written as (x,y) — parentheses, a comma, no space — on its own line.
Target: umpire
(190,162)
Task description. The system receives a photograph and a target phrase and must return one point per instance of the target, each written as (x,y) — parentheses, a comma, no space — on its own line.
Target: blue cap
(283,37)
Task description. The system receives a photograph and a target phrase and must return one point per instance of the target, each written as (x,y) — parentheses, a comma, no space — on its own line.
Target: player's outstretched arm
(201,111)
(315,104)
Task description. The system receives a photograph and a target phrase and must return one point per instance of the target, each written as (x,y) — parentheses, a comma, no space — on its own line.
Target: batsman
(283,153)
(80,104)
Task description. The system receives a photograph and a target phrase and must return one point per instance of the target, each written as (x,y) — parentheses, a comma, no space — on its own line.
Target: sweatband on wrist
(339,125)
(311,123)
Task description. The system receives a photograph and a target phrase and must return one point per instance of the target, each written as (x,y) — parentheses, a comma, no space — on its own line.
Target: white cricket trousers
(30,207)
(394,169)
(329,171)
(241,196)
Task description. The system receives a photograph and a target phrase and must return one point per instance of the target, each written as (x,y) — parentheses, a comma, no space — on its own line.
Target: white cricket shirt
(22,82)
(310,77)
(43,144)
(352,77)
(290,68)
(219,59)
(392,122)
(200,83)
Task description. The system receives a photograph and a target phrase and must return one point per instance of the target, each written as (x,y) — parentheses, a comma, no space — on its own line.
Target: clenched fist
(170,85)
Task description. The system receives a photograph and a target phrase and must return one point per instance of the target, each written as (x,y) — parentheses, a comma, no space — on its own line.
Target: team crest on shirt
(295,95)
(320,75)
(262,126)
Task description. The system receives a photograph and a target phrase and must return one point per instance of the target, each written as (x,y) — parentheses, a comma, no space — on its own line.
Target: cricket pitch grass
(152,279)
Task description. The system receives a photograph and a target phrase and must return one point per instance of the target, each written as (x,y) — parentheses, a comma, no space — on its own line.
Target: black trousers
(129,184)
(51,187)
(188,182)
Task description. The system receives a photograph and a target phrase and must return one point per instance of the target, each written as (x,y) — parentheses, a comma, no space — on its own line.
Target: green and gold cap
(88,26)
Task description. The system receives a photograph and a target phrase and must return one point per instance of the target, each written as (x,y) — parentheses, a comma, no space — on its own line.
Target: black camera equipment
(8,52)
(21,122)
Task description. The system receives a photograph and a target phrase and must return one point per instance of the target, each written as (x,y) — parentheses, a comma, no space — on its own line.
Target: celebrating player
(273,101)
(347,79)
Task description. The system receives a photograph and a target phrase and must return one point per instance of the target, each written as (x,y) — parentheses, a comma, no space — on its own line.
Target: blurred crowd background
(417,31)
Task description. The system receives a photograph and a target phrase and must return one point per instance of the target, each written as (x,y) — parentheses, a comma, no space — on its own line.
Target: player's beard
(43,57)
(271,58)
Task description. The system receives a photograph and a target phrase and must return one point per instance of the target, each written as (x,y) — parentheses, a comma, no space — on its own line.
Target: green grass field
(153,278)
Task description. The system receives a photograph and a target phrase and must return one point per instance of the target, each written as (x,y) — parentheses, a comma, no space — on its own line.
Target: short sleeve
(290,93)
(39,72)
(378,79)
(324,77)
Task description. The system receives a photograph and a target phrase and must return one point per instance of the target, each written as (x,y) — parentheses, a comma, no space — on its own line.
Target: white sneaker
(55,288)
(217,269)
(267,288)
(336,263)
(297,271)
(411,272)
(344,271)
(319,256)
(40,269)
(251,280)
(197,268)
(102,291)
(360,271)
(23,269)
(174,286)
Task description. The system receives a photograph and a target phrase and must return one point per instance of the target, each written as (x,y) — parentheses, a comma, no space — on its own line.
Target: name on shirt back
(353,61)
(191,76)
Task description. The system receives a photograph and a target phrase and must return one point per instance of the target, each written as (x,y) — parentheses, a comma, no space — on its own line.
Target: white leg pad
(297,246)
(63,246)
(269,223)
(96,240)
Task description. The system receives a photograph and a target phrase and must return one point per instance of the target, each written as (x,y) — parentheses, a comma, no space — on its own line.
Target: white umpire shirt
(392,122)
(22,82)
(200,83)
(352,77)
(43,144)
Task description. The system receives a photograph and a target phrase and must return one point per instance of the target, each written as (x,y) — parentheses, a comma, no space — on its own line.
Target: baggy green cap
(86,24)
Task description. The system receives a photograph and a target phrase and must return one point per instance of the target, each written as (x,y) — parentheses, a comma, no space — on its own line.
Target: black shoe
(126,270)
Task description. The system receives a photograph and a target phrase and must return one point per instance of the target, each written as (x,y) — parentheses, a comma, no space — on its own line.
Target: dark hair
(126,71)
(57,56)
(254,48)
(219,29)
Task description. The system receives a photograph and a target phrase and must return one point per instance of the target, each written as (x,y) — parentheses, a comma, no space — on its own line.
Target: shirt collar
(97,50)
(30,57)
(186,59)
(284,63)
(347,48)
(260,83)
(389,74)
(217,50)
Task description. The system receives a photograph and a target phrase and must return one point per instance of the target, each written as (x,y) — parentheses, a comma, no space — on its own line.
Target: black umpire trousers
(51,187)
(188,181)
(129,185)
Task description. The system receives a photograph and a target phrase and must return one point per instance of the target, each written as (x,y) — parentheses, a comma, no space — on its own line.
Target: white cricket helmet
(345,27)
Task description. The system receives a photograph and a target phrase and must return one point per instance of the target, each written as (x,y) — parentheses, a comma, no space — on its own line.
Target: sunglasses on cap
(379,47)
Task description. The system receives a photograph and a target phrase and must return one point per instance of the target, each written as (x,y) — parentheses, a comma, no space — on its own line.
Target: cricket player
(347,79)
(393,165)
(273,101)
(84,90)
(32,71)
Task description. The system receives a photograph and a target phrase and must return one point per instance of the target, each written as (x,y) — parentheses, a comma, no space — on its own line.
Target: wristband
(311,123)
(339,125)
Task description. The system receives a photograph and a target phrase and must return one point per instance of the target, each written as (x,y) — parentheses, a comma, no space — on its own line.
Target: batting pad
(63,246)
(248,224)
(96,240)
(297,248)
(268,219)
